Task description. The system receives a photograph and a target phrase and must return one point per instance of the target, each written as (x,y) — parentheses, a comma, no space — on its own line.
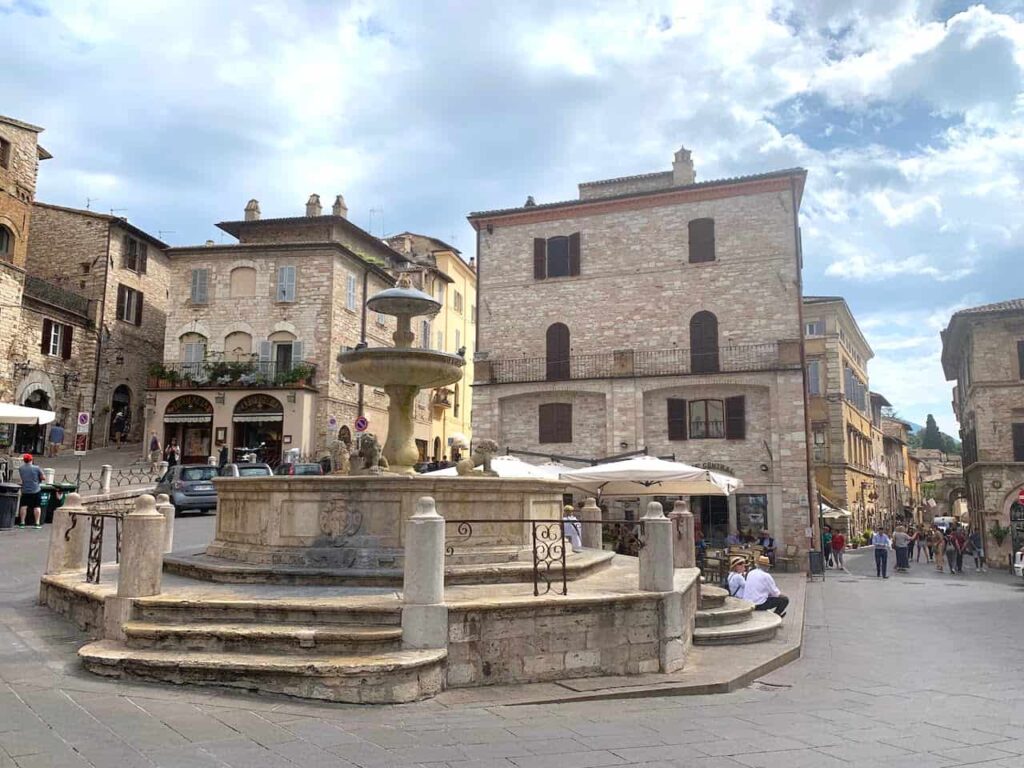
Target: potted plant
(998,532)
(154,374)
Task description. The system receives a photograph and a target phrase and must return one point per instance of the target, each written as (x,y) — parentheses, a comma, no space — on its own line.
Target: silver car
(246,470)
(190,487)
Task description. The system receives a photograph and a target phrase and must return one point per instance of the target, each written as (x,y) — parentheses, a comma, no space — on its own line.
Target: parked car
(246,470)
(190,487)
(299,469)
(1018,563)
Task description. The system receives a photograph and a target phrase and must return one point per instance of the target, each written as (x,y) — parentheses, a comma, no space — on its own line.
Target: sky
(908,116)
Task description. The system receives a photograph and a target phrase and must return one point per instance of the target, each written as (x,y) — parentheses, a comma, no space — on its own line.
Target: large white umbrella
(651,476)
(507,466)
(20,414)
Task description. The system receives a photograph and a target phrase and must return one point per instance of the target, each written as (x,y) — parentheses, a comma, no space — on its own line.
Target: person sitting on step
(762,590)
(737,576)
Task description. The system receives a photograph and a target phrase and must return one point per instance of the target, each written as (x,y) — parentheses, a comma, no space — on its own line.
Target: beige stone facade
(643,309)
(983,351)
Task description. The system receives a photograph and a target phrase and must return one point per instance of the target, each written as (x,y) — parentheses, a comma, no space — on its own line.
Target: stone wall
(648,182)
(11,281)
(18,187)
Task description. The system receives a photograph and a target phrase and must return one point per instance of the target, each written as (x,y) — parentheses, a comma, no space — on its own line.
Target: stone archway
(257,427)
(32,438)
(188,421)
(120,412)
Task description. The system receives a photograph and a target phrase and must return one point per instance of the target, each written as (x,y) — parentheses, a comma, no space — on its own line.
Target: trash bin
(816,563)
(57,499)
(46,494)
(8,505)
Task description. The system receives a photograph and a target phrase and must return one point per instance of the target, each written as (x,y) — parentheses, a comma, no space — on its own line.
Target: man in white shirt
(571,527)
(737,582)
(762,591)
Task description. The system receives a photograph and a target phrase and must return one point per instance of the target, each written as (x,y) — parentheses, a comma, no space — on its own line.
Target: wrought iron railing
(122,477)
(640,362)
(219,374)
(97,522)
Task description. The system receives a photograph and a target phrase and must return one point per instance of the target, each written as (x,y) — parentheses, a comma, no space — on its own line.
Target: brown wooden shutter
(143,257)
(44,345)
(125,244)
(574,253)
(138,308)
(65,351)
(703,343)
(540,257)
(676,419)
(735,418)
(558,349)
(563,422)
(122,298)
(702,240)
(546,423)
(1020,358)
(1018,442)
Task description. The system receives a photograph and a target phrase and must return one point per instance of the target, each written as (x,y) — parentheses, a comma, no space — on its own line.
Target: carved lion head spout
(369,458)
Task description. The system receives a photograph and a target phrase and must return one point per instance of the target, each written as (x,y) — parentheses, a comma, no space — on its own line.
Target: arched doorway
(258,421)
(345,435)
(32,438)
(120,413)
(557,345)
(703,343)
(188,420)
(437,449)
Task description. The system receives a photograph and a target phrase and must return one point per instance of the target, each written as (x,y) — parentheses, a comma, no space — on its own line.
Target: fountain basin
(400,366)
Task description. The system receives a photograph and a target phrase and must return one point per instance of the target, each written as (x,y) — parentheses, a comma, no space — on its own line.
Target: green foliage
(998,532)
(932,436)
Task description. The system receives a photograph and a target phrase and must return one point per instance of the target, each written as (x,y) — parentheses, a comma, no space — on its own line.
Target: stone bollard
(590,514)
(657,571)
(165,508)
(105,472)
(424,614)
(67,553)
(161,468)
(211,461)
(683,545)
(48,474)
(142,563)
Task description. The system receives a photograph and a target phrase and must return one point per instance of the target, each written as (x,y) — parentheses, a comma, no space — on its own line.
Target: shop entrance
(257,423)
(32,438)
(188,420)
(120,403)
(713,513)
(1017,524)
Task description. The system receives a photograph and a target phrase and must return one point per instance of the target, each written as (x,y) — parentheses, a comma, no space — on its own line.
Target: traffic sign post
(362,424)
(84,422)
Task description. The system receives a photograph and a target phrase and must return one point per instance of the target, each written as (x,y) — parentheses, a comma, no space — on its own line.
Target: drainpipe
(100,316)
(362,335)
(811,498)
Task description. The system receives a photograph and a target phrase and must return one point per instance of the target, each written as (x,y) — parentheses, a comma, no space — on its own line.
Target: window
(557,342)
(286,283)
(1018,442)
(472,313)
(200,286)
(702,240)
(814,377)
(1020,355)
(458,339)
(5,153)
(425,334)
(556,256)
(129,305)
(676,419)
(455,401)
(820,448)
(193,349)
(714,419)
(458,302)
(703,343)
(381,319)
(243,282)
(439,285)
(238,346)
(6,241)
(350,293)
(56,341)
(855,391)
(814,328)
(133,254)
(555,420)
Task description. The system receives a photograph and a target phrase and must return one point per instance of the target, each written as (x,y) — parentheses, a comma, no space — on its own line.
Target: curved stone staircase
(313,649)
(725,620)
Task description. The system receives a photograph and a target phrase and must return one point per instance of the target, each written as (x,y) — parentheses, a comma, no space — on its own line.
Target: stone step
(758,627)
(263,638)
(384,678)
(311,612)
(712,597)
(733,611)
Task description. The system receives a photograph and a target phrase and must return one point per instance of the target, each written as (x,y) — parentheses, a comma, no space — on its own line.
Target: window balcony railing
(641,362)
(221,374)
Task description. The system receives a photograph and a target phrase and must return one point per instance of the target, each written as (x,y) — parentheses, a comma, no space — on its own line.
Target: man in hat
(31,477)
(762,590)
(737,576)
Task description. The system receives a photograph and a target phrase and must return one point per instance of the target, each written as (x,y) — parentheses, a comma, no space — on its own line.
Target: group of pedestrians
(833,547)
(940,546)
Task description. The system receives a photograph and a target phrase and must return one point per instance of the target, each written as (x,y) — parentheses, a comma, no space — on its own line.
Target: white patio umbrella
(651,476)
(20,414)
(506,466)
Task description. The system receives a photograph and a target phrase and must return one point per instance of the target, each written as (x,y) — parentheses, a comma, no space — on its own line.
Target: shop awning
(188,418)
(258,417)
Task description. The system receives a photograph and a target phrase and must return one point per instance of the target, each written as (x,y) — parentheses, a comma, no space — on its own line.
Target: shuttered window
(707,419)
(1018,442)
(557,343)
(56,340)
(676,419)
(129,305)
(556,256)
(703,343)
(200,286)
(1020,359)
(555,420)
(350,291)
(702,240)
(735,418)
(814,377)
(286,283)
(134,254)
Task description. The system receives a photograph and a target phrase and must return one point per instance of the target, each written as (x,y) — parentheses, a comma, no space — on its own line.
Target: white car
(1018,563)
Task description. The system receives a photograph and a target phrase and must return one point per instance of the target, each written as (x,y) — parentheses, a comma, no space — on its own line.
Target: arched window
(558,352)
(243,282)
(238,347)
(703,343)
(6,242)
(193,350)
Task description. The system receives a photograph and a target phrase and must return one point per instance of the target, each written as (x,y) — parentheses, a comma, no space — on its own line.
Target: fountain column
(400,447)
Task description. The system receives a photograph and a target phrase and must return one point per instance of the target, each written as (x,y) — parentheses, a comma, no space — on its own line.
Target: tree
(932,436)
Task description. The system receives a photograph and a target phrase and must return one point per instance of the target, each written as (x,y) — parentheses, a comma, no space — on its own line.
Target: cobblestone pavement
(916,671)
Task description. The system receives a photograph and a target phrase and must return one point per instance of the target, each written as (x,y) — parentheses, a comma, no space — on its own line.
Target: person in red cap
(31,477)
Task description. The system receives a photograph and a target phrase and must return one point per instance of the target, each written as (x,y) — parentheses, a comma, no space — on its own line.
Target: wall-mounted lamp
(21,367)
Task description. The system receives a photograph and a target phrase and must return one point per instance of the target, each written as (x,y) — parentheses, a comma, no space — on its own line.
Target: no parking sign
(362,424)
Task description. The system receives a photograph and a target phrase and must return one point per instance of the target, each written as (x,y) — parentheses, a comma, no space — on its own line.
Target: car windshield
(252,471)
(308,469)
(198,473)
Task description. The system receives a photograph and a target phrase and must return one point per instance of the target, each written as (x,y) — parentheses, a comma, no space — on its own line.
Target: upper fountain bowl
(399,301)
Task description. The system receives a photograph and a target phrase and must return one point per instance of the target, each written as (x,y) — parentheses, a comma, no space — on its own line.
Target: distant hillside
(949,444)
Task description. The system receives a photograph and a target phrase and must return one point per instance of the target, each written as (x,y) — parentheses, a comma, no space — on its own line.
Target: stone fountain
(402,371)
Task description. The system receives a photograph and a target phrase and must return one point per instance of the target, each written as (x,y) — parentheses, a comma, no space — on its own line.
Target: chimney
(472,263)
(208,243)
(406,244)
(313,205)
(339,208)
(252,210)
(682,168)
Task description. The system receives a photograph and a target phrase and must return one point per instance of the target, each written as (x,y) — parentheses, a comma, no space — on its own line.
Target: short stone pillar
(161,468)
(424,614)
(684,551)
(590,515)
(211,461)
(67,552)
(48,474)
(657,571)
(105,472)
(165,508)
(142,564)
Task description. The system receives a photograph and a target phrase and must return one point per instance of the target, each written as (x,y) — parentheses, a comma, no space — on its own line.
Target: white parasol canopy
(510,467)
(20,414)
(651,476)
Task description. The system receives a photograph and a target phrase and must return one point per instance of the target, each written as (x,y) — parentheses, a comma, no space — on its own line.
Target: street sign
(84,420)
(1020,497)
(362,424)
(81,444)
(332,423)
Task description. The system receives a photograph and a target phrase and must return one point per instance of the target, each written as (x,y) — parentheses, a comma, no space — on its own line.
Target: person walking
(937,545)
(977,549)
(155,451)
(56,439)
(901,543)
(31,477)
(949,548)
(922,545)
(826,546)
(960,543)
(838,548)
(881,542)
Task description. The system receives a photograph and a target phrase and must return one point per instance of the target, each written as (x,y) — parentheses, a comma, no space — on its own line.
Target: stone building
(452,281)
(983,352)
(899,487)
(654,313)
(254,331)
(123,272)
(839,406)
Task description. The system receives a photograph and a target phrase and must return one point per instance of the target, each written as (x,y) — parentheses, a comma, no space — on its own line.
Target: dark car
(190,487)
(246,470)
(299,469)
